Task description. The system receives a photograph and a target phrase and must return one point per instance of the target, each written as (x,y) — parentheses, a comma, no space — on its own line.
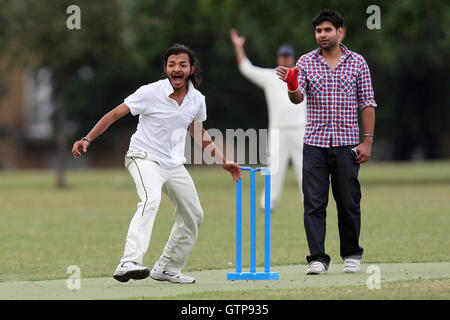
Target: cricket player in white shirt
(155,161)
(287,121)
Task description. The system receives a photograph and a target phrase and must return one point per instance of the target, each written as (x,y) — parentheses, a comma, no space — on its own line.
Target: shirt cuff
(368,104)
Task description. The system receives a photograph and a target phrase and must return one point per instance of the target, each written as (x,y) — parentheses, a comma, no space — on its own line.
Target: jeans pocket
(313,157)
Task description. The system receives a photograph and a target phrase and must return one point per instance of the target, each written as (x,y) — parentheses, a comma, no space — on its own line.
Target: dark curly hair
(328,15)
(178,48)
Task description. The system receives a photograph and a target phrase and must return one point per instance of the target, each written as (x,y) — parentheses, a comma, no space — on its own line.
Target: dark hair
(328,15)
(178,48)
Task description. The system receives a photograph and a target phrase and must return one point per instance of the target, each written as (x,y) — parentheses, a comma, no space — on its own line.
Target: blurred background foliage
(120,47)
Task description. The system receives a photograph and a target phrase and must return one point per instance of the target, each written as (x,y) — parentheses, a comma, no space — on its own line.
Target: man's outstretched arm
(101,126)
(290,77)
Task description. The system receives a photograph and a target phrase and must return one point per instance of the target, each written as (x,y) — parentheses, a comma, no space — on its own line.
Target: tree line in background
(121,44)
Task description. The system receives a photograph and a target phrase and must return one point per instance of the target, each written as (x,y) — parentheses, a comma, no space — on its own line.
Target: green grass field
(405,219)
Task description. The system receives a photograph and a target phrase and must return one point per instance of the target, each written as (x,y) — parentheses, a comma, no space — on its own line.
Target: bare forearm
(101,126)
(215,152)
(240,54)
(107,120)
(368,126)
(368,122)
(295,97)
(104,123)
(202,137)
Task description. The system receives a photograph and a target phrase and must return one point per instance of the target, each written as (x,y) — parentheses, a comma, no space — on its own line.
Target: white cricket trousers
(150,179)
(284,144)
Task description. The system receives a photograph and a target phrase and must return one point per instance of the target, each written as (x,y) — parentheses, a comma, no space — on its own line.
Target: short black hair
(328,15)
(178,48)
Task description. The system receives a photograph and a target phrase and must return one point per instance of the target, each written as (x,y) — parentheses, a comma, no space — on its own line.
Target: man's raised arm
(238,43)
(257,75)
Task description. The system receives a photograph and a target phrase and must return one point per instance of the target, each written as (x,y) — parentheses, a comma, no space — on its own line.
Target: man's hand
(238,41)
(290,76)
(234,169)
(365,149)
(78,146)
(282,72)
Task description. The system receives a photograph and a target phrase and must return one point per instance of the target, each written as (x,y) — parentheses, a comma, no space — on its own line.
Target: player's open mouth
(177,79)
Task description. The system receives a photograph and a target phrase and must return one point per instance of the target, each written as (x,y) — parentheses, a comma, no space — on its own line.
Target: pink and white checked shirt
(333,97)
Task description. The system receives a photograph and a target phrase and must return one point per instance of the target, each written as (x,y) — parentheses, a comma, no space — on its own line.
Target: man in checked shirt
(336,82)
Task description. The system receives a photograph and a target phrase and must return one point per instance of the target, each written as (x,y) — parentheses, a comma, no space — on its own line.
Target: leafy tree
(35,34)
(122,42)
(408,57)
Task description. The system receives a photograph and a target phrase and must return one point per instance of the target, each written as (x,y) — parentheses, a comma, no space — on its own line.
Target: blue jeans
(318,165)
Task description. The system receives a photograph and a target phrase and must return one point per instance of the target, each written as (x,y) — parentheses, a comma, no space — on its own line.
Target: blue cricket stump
(253,275)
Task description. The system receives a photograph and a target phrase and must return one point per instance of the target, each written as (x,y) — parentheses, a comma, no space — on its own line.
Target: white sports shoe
(316,267)
(352,265)
(130,270)
(158,273)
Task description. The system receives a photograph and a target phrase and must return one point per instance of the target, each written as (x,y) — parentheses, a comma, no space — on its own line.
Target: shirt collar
(168,89)
(345,51)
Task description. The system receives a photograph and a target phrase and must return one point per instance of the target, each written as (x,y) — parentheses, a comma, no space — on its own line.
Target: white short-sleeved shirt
(283,114)
(162,127)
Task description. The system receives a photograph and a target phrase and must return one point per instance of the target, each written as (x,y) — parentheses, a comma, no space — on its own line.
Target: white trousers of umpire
(150,179)
(284,145)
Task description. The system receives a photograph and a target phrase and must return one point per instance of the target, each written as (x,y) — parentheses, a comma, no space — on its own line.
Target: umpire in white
(287,121)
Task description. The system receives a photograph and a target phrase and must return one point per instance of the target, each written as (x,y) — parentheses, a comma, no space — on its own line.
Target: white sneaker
(158,273)
(316,267)
(130,270)
(352,265)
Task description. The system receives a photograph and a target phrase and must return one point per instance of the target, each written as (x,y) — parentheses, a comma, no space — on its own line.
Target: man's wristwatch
(86,139)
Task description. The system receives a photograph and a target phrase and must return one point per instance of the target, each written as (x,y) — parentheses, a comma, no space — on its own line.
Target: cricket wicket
(253,275)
